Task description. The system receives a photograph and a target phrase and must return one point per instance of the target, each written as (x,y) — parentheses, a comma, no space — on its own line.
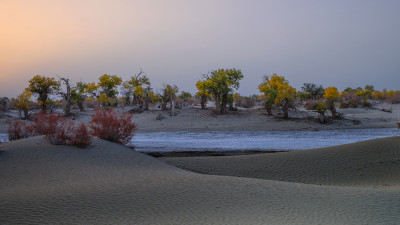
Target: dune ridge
(111,184)
(372,163)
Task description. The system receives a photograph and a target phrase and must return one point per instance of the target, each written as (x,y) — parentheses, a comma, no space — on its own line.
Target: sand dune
(111,184)
(373,163)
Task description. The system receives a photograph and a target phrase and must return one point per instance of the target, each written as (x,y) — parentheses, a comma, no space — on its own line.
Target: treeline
(218,85)
(108,91)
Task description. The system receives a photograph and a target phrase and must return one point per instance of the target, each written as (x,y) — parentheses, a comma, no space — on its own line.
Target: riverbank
(193,119)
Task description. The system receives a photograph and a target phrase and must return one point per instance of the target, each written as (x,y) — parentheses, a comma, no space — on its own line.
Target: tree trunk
(224,102)
(140,105)
(163,105)
(333,110)
(322,117)
(172,108)
(26,114)
(135,100)
(43,99)
(67,98)
(146,104)
(203,102)
(285,109)
(223,108)
(80,105)
(217,104)
(127,100)
(67,110)
(268,107)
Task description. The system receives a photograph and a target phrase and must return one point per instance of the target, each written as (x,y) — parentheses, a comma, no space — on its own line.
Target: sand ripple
(110,184)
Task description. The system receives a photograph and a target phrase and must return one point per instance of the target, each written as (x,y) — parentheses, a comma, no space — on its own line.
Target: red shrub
(17,130)
(110,126)
(46,123)
(81,136)
(63,131)
(57,130)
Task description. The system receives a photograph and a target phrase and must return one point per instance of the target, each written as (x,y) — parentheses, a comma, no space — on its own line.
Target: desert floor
(111,184)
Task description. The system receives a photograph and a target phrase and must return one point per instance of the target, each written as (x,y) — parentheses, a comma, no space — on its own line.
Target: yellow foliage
(140,92)
(202,88)
(285,91)
(154,97)
(391,93)
(109,81)
(378,95)
(92,87)
(104,100)
(343,93)
(23,99)
(364,93)
(332,94)
(276,88)
(41,84)
(235,96)
(171,91)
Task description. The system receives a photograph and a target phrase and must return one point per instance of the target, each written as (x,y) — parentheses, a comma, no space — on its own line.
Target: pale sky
(334,43)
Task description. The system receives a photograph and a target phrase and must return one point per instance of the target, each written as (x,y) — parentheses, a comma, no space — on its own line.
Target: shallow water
(250,140)
(253,140)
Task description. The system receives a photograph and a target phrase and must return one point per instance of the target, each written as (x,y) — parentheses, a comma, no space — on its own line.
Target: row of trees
(135,91)
(218,85)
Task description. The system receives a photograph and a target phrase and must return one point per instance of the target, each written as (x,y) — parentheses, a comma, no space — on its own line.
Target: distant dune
(110,184)
(373,163)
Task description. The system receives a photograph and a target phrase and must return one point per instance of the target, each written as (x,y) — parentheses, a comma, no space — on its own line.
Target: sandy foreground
(111,184)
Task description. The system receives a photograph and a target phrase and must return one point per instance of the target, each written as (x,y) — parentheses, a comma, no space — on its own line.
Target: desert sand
(111,184)
(372,164)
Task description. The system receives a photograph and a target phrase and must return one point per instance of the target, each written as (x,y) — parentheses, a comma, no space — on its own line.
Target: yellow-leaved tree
(43,87)
(104,100)
(109,84)
(141,87)
(220,84)
(285,98)
(277,90)
(202,93)
(140,95)
(332,95)
(365,94)
(23,101)
(270,90)
(170,91)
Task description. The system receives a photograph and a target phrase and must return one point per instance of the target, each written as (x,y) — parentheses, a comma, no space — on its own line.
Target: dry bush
(44,124)
(249,102)
(81,136)
(62,135)
(394,99)
(108,125)
(60,131)
(310,104)
(352,102)
(17,130)
(245,102)
(56,130)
